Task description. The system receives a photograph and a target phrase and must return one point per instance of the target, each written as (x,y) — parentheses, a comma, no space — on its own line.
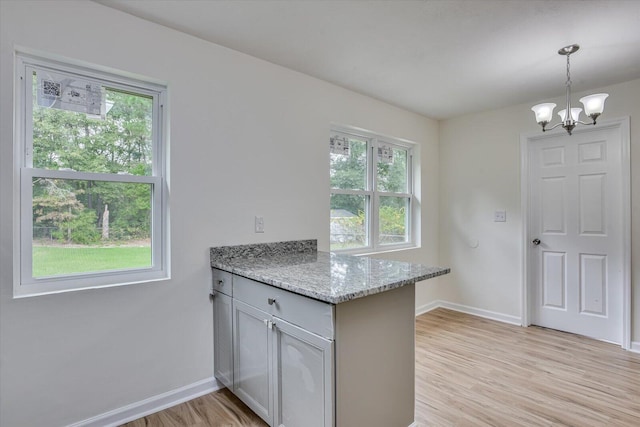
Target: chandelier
(593,104)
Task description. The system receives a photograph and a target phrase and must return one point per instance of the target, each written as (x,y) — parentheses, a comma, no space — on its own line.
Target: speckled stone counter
(298,267)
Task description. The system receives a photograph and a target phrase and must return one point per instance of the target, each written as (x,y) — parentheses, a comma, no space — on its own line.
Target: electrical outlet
(259,224)
(500,216)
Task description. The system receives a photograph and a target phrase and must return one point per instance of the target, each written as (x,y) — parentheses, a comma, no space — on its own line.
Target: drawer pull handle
(220,282)
(271,301)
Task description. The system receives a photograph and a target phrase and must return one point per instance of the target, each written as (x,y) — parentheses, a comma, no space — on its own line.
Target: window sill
(40,289)
(370,251)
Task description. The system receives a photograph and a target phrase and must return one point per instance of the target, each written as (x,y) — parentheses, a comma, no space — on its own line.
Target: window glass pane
(90,226)
(348,164)
(83,126)
(348,221)
(393,220)
(392,169)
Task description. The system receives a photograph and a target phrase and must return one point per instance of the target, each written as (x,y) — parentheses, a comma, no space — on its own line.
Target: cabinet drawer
(308,313)
(222,281)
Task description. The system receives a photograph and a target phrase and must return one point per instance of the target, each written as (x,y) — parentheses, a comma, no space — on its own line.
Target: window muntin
(91,179)
(376,215)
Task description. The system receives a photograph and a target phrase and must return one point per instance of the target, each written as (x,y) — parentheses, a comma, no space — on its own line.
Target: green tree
(56,205)
(349,172)
(119,144)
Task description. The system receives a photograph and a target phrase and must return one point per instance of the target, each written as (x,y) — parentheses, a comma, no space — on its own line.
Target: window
(90,177)
(371,192)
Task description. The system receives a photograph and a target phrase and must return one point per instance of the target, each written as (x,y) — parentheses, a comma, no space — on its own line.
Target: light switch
(500,216)
(259,224)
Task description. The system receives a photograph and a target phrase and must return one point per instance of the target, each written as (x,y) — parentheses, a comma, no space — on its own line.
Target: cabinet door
(303,377)
(252,358)
(223,339)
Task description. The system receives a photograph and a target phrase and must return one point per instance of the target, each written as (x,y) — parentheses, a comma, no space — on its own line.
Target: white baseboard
(427,308)
(487,314)
(635,346)
(151,405)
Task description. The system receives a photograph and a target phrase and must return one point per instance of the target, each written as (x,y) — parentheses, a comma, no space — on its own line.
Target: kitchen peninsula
(308,338)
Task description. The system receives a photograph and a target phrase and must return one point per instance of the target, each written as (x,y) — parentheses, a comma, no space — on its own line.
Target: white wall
(480,173)
(247,138)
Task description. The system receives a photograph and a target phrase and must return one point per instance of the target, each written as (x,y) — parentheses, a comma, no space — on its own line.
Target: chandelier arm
(553,127)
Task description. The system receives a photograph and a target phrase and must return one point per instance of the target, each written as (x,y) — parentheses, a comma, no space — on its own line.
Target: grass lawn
(57,260)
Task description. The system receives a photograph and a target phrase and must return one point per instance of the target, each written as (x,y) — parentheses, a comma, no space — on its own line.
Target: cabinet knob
(220,282)
(271,301)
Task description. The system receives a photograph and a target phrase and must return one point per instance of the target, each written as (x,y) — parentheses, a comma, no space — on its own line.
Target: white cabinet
(221,292)
(223,339)
(300,362)
(252,362)
(303,377)
(281,363)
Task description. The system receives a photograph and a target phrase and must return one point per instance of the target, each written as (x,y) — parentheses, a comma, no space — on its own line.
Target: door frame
(528,139)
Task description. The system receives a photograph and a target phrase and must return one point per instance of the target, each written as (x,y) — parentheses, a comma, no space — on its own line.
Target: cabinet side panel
(223,339)
(375,360)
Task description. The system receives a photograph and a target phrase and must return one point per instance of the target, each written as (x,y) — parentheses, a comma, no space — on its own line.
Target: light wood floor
(476,372)
(218,409)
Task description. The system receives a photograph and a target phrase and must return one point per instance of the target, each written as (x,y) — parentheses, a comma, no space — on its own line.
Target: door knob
(536,242)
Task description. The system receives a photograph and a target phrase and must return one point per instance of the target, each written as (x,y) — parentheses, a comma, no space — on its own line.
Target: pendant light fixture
(593,104)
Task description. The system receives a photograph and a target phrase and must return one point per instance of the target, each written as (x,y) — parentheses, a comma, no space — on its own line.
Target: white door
(576,233)
(252,380)
(303,377)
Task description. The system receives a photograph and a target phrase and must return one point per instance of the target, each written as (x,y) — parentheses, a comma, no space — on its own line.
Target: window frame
(24,282)
(371,191)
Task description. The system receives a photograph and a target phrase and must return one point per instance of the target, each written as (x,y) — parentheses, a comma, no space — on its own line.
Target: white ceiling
(439,58)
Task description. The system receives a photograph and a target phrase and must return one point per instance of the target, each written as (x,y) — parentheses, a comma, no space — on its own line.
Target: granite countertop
(298,267)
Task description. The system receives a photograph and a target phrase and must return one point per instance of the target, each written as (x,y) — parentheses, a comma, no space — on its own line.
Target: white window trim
(372,226)
(24,284)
